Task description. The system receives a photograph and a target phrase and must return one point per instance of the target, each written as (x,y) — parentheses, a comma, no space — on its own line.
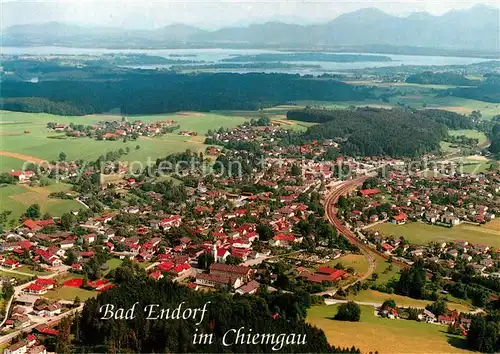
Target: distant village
(115,129)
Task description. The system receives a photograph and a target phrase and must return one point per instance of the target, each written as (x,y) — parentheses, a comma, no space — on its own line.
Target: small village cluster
(115,129)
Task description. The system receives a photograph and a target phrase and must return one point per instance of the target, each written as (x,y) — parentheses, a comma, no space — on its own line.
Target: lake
(212,56)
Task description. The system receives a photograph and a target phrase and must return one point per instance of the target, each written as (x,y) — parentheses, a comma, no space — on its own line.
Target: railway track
(331,214)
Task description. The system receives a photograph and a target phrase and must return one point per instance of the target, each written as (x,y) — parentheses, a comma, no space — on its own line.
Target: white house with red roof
(171,221)
(22,176)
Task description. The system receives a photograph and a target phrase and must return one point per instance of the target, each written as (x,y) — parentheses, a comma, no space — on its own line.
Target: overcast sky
(210,14)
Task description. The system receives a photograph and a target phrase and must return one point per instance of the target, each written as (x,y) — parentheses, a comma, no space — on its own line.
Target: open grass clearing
(69,293)
(386,271)
(113,263)
(402,301)
(27,269)
(17,198)
(5,273)
(356,261)
(470,133)
(421,233)
(373,333)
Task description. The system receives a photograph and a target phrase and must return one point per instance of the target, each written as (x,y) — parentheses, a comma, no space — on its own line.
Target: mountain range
(476,29)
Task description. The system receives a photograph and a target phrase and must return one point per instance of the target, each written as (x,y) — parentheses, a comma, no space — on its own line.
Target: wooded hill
(151,92)
(374,131)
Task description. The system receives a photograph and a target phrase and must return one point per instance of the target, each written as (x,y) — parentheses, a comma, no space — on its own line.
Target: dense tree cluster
(270,313)
(148,92)
(41,105)
(349,311)
(429,77)
(488,90)
(372,131)
(484,334)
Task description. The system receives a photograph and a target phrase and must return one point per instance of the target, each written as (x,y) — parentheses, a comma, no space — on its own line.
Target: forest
(488,90)
(150,92)
(432,78)
(278,313)
(374,131)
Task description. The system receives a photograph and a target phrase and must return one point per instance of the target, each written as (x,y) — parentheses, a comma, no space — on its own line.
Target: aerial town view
(220,177)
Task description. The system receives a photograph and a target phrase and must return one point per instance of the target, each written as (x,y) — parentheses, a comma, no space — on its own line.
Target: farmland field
(17,198)
(26,133)
(420,233)
(401,301)
(474,134)
(373,333)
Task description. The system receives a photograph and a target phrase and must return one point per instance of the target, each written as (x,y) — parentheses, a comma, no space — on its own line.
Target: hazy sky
(209,14)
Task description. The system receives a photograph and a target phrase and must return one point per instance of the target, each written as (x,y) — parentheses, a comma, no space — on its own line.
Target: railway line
(331,213)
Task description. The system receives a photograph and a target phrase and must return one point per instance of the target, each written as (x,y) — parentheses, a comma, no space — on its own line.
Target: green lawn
(356,261)
(473,134)
(404,301)
(4,273)
(27,269)
(69,293)
(8,164)
(420,233)
(382,269)
(373,333)
(37,143)
(114,263)
(17,198)
(475,168)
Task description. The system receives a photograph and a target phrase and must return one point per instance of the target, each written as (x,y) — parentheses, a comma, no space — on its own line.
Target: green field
(69,293)
(473,134)
(382,269)
(113,263)
(373,333)
(4,273)
(420,233)
(27,269)
(8,164)
(403,301)
(37,143)
(17,198)
(356,261)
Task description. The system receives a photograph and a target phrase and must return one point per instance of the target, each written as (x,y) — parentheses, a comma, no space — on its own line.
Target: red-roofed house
(46,283)
(400,219)
(172,221)
(369,192)
(181,269)
(35,289)
(30,224)
(386,247)
(22,176)
(166,266)
(222,255)
(157,275)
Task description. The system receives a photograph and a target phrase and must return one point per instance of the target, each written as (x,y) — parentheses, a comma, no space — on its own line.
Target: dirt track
(21,156)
